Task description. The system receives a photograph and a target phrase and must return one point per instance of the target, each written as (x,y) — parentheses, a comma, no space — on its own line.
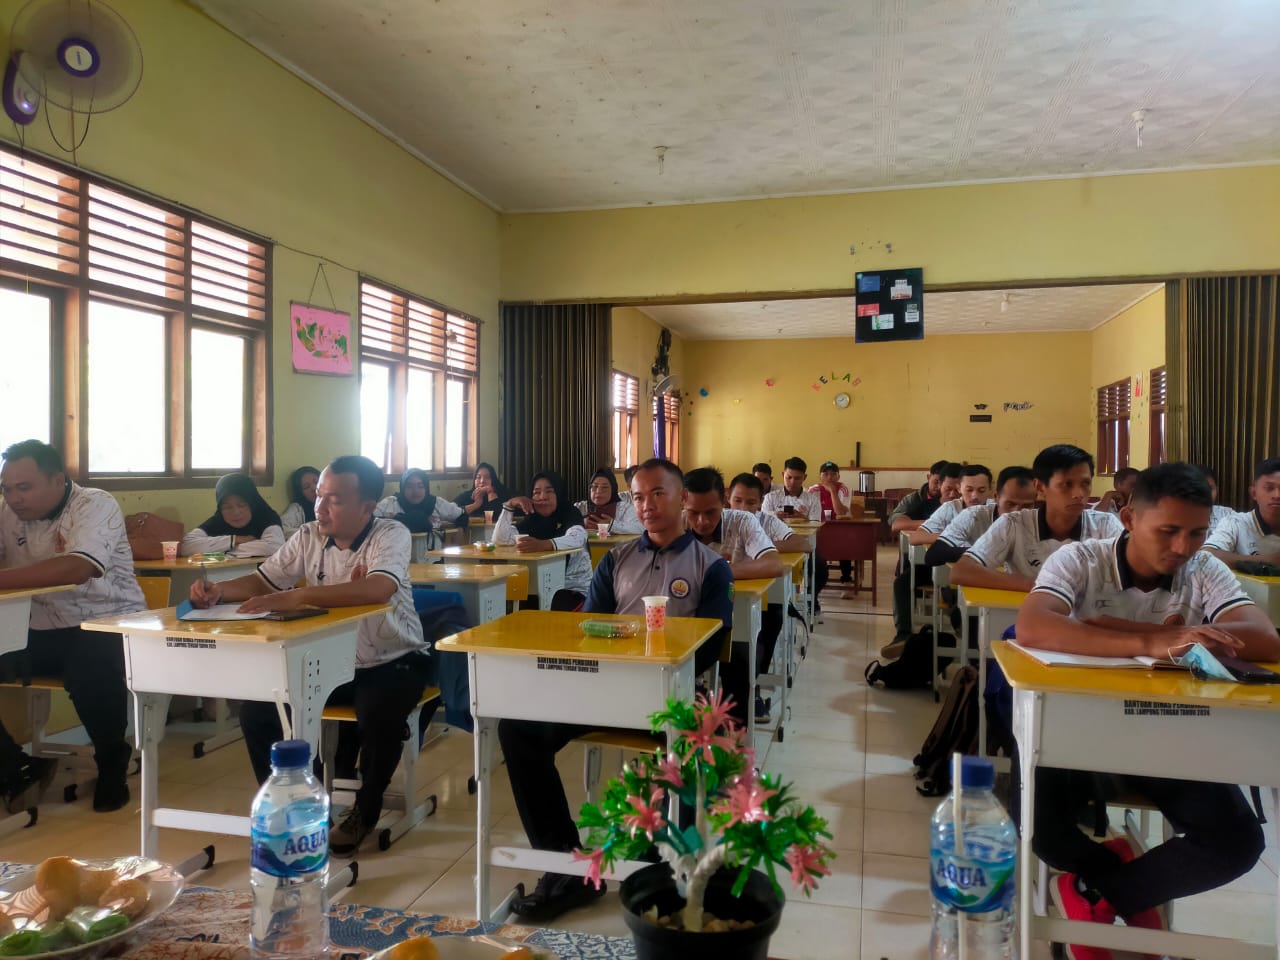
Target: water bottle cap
(977,773)
(290,753)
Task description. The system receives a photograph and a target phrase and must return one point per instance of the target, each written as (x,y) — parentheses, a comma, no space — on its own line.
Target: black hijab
(262,516)
(609,509)
(295,492)
(566,515)
(498,493)
(416,516)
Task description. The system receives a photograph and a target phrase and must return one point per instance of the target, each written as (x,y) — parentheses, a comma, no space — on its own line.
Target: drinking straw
(957,793)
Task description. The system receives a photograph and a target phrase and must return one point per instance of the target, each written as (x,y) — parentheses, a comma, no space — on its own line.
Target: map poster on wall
(889,305)
(321,340)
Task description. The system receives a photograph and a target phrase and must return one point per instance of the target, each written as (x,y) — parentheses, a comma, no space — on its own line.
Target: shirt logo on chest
(679,588)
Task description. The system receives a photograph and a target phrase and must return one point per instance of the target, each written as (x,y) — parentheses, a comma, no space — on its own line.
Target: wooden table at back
(546,568)
(483,586)
(539,665)
(298,661)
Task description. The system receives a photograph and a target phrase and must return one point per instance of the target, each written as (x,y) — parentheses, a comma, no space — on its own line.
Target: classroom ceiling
(560,104)
(1032,310)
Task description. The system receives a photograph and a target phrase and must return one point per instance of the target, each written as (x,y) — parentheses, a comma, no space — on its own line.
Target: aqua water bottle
(973,887)
(289,859)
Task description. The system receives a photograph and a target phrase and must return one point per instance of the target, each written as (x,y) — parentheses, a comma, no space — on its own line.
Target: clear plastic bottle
(289,843)
(977,883)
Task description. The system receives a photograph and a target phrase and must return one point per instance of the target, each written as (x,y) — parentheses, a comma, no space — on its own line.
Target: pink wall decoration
(321,340)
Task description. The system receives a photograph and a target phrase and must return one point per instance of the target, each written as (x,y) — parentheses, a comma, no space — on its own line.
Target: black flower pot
(656,886)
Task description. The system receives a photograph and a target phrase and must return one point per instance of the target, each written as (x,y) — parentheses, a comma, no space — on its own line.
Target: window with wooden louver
(1113,426)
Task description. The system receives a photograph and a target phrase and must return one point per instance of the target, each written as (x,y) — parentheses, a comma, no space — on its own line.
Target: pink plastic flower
(807,866)
(713,715)
(668,771)
(744,802)
(648,816)
(594,860)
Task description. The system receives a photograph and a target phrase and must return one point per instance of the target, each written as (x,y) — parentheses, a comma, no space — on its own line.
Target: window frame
(450,366)
(624,419)
(1158,413)
(89,213)
(1114,408)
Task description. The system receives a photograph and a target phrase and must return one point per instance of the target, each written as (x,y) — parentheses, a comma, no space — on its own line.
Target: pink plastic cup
(655,613)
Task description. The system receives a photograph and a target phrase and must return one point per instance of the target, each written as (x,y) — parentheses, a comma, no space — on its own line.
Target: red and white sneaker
(1152,918)
(1074,905)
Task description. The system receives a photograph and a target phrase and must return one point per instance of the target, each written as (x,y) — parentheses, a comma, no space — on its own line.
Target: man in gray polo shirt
(348,558)
(1147,592)
(666,560)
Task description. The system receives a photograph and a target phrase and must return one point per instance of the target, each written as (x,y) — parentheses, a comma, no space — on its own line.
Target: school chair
(404,799)
(517,589)
(155,591)
(622,741)
(850,541)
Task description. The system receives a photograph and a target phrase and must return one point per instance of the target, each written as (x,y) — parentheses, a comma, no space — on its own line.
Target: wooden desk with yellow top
(483,586)
(539,665)
(1153,723)
(546,568)
(299,662)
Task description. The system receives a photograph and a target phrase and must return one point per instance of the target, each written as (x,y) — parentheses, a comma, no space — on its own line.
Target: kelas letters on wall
(847,378)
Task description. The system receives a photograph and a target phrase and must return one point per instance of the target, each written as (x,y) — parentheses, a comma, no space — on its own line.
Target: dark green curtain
(556,392)
(1229,354)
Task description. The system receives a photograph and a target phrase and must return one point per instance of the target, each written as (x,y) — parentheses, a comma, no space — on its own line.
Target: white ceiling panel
(558,104)
(1040,309)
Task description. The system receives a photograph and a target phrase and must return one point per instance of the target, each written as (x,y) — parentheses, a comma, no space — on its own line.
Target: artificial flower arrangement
(744,819)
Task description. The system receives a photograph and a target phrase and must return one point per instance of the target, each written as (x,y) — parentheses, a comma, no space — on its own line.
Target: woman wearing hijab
(605,505)
(416,507)
(548,521)
(302,500)
(487,493)
(244,526)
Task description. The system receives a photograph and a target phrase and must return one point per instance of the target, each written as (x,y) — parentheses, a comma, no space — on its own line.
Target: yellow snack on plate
(417,948)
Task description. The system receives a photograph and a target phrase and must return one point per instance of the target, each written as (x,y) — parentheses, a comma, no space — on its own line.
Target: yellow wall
(1131,344)
(219,127)
(911,408)
(1141,225)
(635,347)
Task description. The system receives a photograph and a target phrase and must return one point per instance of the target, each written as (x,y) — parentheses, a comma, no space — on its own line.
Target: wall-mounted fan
(668,384)
(79,55)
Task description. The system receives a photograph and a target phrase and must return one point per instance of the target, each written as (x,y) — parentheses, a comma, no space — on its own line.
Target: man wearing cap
(834,497)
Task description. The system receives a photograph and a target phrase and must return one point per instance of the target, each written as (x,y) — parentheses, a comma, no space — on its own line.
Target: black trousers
(818,582)
(530,749)
(567,600)
(1219,838)
(902,595)
(383,697)
(91,666)
(767,641)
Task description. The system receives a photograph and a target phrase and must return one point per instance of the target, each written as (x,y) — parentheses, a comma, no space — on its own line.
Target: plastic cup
(170,548)
(655,613)
(828,514)
(488,516)
(602,529)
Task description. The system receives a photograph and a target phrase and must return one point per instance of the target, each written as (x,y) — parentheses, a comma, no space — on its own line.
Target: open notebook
(1052,658)
(1241,670)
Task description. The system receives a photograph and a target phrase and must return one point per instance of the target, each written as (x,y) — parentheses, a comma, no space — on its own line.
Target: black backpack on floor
(912,670)
(955,731)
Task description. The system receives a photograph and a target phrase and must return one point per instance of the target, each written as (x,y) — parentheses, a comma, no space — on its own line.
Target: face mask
(1204,665)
